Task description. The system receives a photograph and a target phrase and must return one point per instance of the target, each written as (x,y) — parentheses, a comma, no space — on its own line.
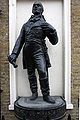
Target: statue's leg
(33,82)
(44,83)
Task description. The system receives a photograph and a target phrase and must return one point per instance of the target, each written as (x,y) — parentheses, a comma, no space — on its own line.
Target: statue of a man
(32,39)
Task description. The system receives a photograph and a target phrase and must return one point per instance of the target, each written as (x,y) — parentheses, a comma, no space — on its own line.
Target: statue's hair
(38,2)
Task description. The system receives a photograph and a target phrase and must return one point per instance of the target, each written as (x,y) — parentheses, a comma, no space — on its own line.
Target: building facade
(4,65)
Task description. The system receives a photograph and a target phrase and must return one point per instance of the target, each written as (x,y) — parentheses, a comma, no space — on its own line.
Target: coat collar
(35,18)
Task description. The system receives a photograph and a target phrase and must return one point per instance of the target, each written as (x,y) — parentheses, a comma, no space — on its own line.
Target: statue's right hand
(12,60)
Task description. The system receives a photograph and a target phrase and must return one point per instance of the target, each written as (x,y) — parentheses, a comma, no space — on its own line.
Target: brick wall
(75,44)
(4,67)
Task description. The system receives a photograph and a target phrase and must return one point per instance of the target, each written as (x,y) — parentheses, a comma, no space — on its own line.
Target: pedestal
(26,109)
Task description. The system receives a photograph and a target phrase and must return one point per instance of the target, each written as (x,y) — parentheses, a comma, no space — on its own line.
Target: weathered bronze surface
(35,56)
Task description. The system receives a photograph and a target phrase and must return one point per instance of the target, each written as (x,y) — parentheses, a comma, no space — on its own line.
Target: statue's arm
(51,33)
(17,48)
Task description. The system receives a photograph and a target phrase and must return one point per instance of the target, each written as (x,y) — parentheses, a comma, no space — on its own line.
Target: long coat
(35,31)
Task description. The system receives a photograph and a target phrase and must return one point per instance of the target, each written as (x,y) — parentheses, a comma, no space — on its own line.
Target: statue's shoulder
(25,25)
(44,24)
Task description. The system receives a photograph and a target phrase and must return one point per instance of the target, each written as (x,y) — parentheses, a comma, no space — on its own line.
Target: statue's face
(37,8)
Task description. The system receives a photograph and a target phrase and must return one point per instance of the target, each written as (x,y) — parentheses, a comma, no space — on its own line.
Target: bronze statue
(35,56)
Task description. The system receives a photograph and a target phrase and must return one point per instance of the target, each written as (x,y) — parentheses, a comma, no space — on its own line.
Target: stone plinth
(25,109)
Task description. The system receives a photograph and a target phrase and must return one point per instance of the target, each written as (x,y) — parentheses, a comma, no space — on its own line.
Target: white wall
(53,15)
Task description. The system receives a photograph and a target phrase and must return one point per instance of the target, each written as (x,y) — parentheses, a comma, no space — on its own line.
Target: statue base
(26,109)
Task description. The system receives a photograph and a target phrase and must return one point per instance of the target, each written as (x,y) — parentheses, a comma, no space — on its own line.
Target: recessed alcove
(57,13)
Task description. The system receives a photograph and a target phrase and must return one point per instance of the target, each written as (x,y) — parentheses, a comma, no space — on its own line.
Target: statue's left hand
(12,60)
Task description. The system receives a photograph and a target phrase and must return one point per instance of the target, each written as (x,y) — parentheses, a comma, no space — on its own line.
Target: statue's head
(37,8)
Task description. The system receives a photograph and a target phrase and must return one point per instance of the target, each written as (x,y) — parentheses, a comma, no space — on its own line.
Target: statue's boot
(34,96)
(48,99)
(33,87)
(45,91)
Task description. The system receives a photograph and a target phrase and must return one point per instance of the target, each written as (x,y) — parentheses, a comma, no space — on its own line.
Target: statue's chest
(34,28)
